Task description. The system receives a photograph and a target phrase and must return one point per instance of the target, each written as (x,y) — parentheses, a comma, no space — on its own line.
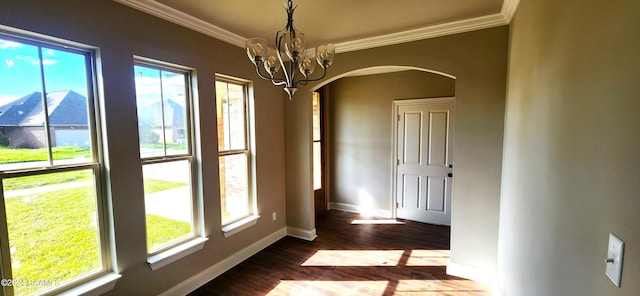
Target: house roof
(151,114)
(65,108)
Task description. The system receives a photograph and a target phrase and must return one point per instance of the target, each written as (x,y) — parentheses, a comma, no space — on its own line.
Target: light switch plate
(614,259)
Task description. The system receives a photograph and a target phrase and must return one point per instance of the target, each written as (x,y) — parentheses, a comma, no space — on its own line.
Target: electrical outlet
(274,216)
(614,259)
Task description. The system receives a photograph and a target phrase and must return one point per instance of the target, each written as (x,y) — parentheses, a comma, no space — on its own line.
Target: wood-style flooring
(347,258)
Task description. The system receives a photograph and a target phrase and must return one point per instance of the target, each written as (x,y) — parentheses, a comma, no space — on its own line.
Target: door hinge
(397,205)
(399,117)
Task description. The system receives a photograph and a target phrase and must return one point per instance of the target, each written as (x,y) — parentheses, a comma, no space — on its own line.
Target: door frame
(394,142)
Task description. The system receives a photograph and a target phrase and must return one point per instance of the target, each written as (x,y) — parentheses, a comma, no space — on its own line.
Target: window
(163,100)
(51,211)
(234,150)
(317,142)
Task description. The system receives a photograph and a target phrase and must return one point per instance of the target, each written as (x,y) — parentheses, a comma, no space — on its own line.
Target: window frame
(105,278)
(177,249)
(233,226)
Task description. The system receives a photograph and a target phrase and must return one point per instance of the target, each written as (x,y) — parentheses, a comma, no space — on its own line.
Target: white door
(424,154)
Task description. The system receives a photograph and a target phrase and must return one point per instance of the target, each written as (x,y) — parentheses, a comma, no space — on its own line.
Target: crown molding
(450,28)
(509,9)
(180,18)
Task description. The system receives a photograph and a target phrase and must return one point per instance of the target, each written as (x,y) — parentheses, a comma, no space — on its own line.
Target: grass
(53,235)
(44,180)
(16,155)
(170,146)
(153,185)
(162,231)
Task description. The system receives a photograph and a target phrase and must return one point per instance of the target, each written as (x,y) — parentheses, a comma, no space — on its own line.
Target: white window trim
(240,225)
(179,250)
(235,227)
(176,253)
(107,278)
(97,286)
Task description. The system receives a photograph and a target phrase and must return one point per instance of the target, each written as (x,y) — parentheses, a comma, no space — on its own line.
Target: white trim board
(475,274)
(219,268)
(345,207)
(178,17)
(175,16)
(308,235)
(509,9)
(473,24)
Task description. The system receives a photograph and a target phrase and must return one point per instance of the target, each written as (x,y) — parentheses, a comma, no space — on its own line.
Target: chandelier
(291,56)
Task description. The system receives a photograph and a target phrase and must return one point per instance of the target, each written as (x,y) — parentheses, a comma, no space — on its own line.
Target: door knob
(450,175)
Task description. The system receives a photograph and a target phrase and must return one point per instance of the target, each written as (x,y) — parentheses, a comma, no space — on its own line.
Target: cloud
(10,63)
(148,91)
(8,44)
(34,61)
(45,62)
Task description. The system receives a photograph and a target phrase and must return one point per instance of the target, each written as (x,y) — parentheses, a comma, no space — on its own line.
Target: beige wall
(360,131)
(571,161)
(478,60)
(120,33)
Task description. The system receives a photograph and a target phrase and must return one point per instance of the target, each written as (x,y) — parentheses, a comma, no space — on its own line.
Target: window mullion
(164,140)
(5,264)
(228,119)
(245,106)
(45,108)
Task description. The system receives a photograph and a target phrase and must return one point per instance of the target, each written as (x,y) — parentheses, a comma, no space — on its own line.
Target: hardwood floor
(365,258)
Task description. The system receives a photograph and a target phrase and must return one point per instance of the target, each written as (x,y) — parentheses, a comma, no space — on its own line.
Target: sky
(151,82)
(20,72)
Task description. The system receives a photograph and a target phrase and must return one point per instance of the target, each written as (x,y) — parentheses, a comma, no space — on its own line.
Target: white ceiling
(350,24)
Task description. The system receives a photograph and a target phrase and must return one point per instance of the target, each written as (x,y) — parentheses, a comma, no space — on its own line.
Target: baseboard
(475,274)
(309,235)
(216,270)
(356,209)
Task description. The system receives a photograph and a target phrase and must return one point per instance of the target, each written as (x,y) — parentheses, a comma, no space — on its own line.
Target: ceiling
(350,24)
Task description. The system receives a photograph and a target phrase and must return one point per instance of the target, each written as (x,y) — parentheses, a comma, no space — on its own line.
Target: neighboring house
(22,120)
(151,118)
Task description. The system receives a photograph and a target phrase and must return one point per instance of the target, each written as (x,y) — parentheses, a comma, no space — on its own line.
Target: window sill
(98,286)
(238,226)
(174,254)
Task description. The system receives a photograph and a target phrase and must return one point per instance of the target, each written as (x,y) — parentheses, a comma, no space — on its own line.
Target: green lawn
(15,155)
(44,180)
(53,235)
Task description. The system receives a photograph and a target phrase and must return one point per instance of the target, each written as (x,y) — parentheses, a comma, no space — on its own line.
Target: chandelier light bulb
(272,65)
(257,48)
(307,66)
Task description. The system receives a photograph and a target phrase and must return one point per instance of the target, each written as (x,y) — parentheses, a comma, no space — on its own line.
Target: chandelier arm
(293,66)
(262,75)
(305,81)
(274,80)
(278,82)
(287,79)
